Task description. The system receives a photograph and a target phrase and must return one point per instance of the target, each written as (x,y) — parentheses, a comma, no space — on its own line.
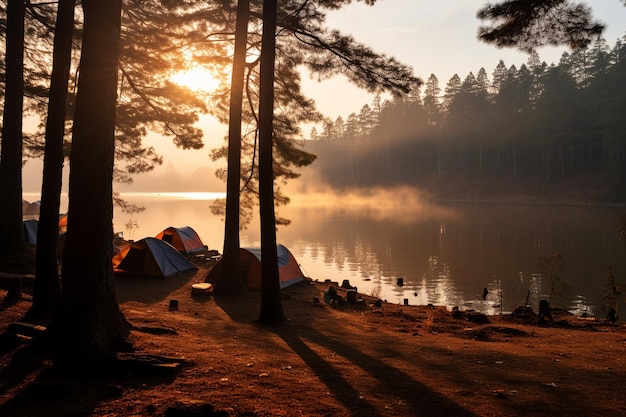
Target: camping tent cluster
(161,256)
(166,254)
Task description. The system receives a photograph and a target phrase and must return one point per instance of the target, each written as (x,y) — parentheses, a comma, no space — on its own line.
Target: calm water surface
(445,254)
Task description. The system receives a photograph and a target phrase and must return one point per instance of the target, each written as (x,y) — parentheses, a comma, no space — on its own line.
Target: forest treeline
(539,122)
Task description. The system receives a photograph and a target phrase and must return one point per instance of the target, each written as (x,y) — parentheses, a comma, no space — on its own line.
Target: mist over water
(400,204)
(445,253)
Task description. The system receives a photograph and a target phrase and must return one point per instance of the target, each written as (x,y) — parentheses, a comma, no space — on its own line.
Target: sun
(196,79)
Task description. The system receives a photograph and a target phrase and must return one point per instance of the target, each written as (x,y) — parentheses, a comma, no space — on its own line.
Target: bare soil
(354,360)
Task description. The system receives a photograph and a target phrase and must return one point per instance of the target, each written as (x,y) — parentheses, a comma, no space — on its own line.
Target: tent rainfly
(288,269)
(184,239)
(30,210)
(30,231)
(151,257)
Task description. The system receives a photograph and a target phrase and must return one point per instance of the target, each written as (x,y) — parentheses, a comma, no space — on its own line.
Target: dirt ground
(355,360)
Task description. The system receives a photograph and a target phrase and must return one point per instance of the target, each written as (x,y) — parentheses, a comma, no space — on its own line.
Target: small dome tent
(31,211)
(184,239)
(288,268)
(151,257)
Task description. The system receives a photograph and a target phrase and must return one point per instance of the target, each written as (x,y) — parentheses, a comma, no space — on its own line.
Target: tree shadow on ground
(393,383)
(149,289)
(31,386)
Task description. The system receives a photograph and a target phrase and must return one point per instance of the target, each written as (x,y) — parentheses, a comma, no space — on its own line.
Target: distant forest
(534,125)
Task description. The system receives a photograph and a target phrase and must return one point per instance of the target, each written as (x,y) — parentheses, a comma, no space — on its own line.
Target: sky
(433,37)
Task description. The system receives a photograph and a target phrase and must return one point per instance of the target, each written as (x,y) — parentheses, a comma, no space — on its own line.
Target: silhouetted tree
(434,114)
(271,305)
(553,132)
(529,24)
(47,288)
(499,77)
(11,230)
(229,281)
(90,328)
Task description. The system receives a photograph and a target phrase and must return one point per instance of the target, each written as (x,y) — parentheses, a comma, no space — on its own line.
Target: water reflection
(450,260)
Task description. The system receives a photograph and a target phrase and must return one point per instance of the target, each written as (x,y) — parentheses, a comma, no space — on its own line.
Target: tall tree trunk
(11,229)
(90,328)
(562,158)
(229,281)
(514,159)
(547,161)
(271,305)
(47,289)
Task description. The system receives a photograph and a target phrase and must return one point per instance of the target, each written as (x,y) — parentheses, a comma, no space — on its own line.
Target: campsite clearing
(390,360)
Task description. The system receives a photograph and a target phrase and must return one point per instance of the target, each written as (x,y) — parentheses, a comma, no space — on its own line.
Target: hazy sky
(432,37)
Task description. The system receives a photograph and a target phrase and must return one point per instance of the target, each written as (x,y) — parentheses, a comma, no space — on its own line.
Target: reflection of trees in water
(534,286)
(581,306)
(450,261)
(336,255)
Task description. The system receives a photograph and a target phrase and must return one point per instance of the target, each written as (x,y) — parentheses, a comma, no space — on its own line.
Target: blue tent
(151,257)
(30,231)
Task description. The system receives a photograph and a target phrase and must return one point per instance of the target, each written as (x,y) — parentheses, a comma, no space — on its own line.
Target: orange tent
(184,239)
(288,268)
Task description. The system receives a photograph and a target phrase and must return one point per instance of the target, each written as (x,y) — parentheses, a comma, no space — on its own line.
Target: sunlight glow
(176,195)
(196,79)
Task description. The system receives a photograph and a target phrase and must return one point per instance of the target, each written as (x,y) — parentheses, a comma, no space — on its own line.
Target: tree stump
(545,311)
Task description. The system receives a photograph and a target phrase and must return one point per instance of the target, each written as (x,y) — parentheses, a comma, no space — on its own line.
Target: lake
(446,254)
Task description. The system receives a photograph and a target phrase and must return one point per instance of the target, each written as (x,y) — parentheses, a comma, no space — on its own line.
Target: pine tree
(528,25)
(12,240)
(47,288)
(90,329)
(229,281)
(271,305)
